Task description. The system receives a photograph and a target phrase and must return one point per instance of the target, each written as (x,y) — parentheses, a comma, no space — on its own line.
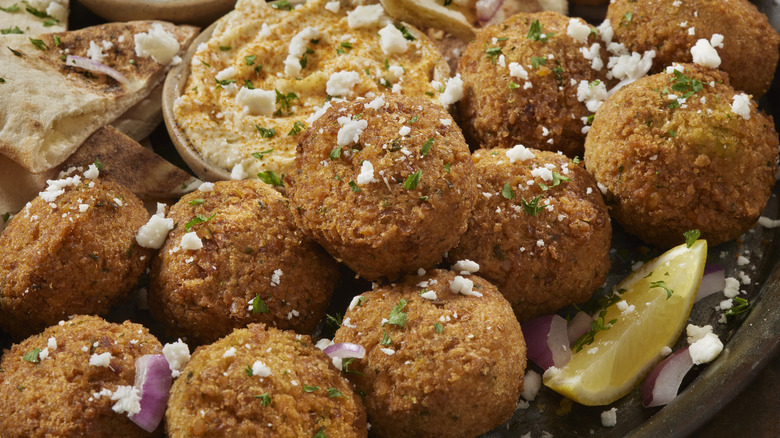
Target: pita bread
(145,173)
(140,120)
(34,16)
(48,108)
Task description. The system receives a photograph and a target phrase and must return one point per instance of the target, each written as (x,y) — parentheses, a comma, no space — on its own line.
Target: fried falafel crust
(454,368)
(749,54)
(57,260)
(668,168)
(218,394)
(251,247)
(55,396)
(545,257)
(547,115)
(388,226)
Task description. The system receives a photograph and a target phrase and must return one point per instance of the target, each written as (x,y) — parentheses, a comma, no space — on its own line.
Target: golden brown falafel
(749,53)
(520,81)
(546,244)
(49,388)
(71,250)
(437,364)
(255,265)
(263,382)
(385,186)
(683,151)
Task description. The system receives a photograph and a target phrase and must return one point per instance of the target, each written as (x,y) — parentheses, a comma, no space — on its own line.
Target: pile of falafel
(466,226)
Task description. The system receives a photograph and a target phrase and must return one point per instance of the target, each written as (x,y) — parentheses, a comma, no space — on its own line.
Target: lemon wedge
(650,314)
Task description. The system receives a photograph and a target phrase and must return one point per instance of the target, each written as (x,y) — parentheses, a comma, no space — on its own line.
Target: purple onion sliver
(661,385)
(535,333)
(153,380)
(486,9)
(558,341)
(714,280)
(345,350)
(578,326)
(88,64)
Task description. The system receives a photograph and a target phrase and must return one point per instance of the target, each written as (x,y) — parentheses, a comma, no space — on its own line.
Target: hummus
(269,70)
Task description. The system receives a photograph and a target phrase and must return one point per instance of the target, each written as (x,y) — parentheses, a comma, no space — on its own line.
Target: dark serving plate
(751,341)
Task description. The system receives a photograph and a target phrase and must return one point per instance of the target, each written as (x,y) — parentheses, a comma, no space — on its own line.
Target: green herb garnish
(595,327)
(397,315)
(507,191)
(557,179)
(32,356)
(426,147)
(691,236)
(662,284)
(197,220)
(11,30)
(536,61)
(270,177)
(307,388)
(412,180)
(265,399)
(298,126)
(385,339)
(335,152)
(282,4)
(438,327)
(195,202)
(334,392)
(535,32)
(532,208)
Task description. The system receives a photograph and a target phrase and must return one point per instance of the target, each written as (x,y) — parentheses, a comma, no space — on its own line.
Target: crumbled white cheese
(230,352)
(593,54)
(519,152)
(453,91)
(366,175)
(392,41)
(377,103)
(578,30)
(158,43)
(606,32)
(228,73)
(387,351)
(153,233)
(276,277)
(177,354)
(297,49)
(203,187)
(705,348)
(191,241)
(52,343)
(350,130)
(429,295)
(354,302)
(257,102)
(532,383)
(318,112)
(704,54)
(695,332)
(665,351)
(260,369)
(609,418)
(593,94)
(333,6)
(95,52)
(341,83)
(405,130)
(768,223)
(56,187)
(238,173)
(716,40)
(100,360)
(465,267)
(741,105)
(128,400)
(366,16)
(463,286)
(517,71)
(731,289)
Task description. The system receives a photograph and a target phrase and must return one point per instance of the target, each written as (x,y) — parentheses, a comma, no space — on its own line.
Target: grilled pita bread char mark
(48,108)
(145,173)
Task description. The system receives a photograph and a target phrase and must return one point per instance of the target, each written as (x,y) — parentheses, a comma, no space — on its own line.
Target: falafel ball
(71,250)
(540,231)
(254,265)
(447,362)
(62,382)
(749,43)
(680,151)
(263,382)
(521,79)
(386,186)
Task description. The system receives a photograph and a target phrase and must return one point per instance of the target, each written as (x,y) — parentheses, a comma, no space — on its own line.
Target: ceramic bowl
(200,12)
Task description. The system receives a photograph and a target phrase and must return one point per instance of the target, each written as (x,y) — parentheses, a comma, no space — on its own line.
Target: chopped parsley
(627,19)
(270,177)
(265,399)
(259,306)
(335,152)
(447,167)
(298,126)
(248,84)
(685,85)
(284,100)
(320,433)
(741,307)
(15,52)
(405,32)
(11,9)
(250,60)
(225,82)
(662,285)
(385,339)
(197,220)
(414,119)
(41,14)
(397,315)
(282,5)
(225,48)
(595,327)
(536,61)
(32,356)
(57,43)
(334,392)
(345,363)
(691,237)
(507,191)
(265,132)
(438,327)
(535,32)
(412,180)
(353,185)
(513,85)
(426,147)
(98,164)
(195,202)
(557,179)
(249,371)
(492,53)
(307,388)
(260,155)
(11,30)
(532,207)
(672,133)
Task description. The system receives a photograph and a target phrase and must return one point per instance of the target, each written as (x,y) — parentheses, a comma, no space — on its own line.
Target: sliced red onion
(578,326)
(486,9)
(153,380)
(547,341)
(714,280)
(346,349)
(88,64)
(662,384)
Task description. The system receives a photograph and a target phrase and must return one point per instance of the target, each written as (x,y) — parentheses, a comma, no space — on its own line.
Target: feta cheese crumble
(191,241)
(177,354)
(100,360)
(366,175)
(256,102)
(463,286)
(741,105)
(350,130)
(704,54)
(158,43)
(609,418)
(341,83)
(260,369)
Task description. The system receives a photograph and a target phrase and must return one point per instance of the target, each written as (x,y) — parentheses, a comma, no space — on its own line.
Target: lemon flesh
(622,355)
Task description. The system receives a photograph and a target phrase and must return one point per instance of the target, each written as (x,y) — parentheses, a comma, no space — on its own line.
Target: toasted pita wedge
(140,120)
(145,173)
(48,108)
(33,16)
